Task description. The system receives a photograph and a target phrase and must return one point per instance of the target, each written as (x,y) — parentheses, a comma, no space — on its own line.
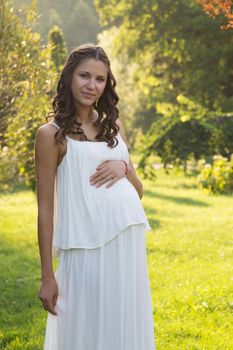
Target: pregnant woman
(90,215)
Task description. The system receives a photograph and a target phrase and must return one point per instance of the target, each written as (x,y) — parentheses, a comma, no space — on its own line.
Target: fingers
(49,305)
(55,299)
(106,172)
(106,179)
(101,165)
(111,183)
(99,173)
(100,177)
(45,306)
(51,308)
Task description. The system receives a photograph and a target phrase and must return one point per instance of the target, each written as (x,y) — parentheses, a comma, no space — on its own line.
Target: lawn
(189,250)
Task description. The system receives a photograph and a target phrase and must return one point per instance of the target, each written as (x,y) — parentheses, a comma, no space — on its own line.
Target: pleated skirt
(104,300)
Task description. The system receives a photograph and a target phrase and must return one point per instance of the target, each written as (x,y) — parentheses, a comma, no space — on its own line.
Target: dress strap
(58,127)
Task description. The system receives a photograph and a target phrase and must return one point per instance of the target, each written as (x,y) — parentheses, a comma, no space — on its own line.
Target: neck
(84,115)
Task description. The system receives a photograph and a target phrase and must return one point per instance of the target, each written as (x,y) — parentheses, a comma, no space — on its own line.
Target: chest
(90,153)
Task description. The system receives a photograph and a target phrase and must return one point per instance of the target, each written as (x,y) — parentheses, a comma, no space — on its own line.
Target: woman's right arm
(46,159)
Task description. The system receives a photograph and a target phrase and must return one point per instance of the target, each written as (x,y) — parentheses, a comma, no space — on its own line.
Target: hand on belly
(109,171)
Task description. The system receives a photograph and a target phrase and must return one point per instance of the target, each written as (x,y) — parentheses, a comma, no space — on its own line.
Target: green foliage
(222,135)
(190,56)
(183,70)
(183,140)
(9,172)
(58,47)
(176,137)
(218,177)
(27,85)
(77,19)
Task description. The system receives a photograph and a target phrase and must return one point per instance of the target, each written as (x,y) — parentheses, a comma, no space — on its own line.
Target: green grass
(189,263)
(21,315)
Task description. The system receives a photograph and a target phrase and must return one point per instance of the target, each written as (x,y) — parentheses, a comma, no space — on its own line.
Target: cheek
(75,84)
(101,87)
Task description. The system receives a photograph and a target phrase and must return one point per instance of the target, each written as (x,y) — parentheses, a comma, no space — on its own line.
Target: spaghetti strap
(58,127)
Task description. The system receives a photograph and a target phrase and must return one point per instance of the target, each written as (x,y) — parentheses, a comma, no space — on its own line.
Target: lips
(87,94)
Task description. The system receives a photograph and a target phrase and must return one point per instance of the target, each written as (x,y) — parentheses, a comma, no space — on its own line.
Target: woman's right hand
(48,295)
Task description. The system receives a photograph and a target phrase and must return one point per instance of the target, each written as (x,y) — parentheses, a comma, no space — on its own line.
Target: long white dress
(104,300)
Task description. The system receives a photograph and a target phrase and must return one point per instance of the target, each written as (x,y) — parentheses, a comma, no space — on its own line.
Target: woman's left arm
(132,175)
(113,170)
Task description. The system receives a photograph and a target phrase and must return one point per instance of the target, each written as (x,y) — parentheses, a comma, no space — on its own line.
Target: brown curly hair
(63,105)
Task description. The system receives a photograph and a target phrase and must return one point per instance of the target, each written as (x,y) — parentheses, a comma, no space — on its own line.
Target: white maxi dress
(104,300)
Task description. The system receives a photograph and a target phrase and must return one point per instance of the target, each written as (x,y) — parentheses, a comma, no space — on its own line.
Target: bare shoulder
(46,133)
(46,146)
(46,161)
(122,130)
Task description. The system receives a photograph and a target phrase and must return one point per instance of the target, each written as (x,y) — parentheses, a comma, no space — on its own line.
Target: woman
(99,297)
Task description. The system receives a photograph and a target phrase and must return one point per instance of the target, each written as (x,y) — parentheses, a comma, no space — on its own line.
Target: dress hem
(56,249)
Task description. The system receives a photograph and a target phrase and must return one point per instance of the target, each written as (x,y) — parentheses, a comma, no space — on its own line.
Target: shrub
(216,177)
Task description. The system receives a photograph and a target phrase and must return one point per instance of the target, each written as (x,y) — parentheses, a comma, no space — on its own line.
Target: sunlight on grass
(22,318)
(189,263)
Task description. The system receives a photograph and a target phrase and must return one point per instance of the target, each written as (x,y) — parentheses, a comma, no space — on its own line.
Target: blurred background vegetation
(174,70)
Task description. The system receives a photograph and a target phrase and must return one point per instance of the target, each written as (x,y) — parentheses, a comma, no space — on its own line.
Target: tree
(192,139)
(179,49)
(77,19)
(185,65)
(27,85)
(217,8)
(58,47)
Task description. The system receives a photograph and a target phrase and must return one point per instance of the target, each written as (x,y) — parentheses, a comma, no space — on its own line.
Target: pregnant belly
(118,191)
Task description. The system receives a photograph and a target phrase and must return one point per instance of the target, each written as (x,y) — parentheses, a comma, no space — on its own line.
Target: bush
(216,177)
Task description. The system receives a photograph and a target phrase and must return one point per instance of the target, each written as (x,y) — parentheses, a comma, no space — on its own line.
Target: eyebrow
(83,71)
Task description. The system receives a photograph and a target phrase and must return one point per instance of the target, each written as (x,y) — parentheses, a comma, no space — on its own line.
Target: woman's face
(88,81)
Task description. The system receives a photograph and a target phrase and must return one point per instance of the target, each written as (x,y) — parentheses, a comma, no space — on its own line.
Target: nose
(91,84)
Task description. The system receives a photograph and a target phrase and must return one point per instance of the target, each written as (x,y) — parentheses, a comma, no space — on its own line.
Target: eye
(101,79)
(83,75)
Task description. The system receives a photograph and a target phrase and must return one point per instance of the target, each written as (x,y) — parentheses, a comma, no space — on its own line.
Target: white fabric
(104,300)
(86,216)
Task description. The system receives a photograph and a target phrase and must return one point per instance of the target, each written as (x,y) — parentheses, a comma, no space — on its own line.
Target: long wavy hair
(63,103)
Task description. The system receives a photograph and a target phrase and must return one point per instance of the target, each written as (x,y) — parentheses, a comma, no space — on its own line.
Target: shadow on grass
(176,199)
(22,317)
(182,186)
(18,188)
(152,215)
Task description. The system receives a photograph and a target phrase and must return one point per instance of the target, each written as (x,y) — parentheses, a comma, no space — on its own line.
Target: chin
(86,103)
